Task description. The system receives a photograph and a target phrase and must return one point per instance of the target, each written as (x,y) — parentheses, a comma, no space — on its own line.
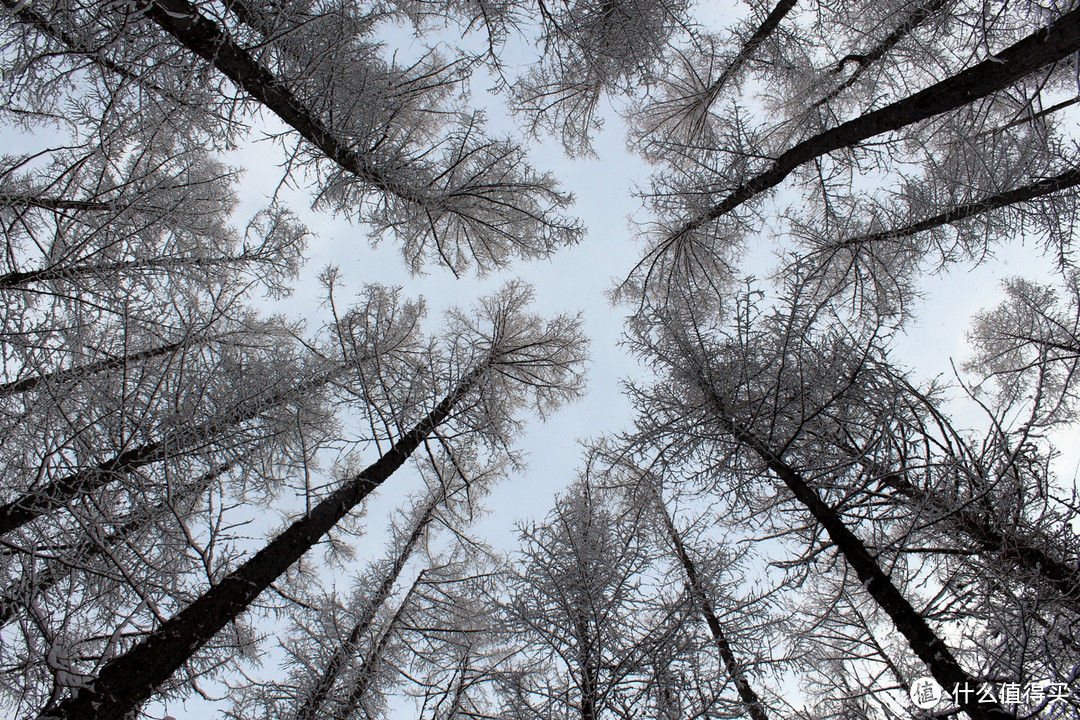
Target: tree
(705,205)
(102,551)
(680,116)
(579,601)
(502,358)
(826,415)
(589,49)
(830,423)
(712,574)
(734,667)
(1030,345)
(469,199)
(132,368)
(847,532)
(332,644)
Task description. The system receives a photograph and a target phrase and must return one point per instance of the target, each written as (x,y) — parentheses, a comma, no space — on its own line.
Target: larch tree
(381,142)
(961,155)
(811,434)
(332,642)
(579,599)
(150,413)
(495,361)
(115,531)
(703,594)
(166,403)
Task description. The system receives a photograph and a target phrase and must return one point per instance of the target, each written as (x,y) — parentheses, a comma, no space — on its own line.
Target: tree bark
(1041,188)
(1044,47)
(58,204)
(54,495)
(317,698)
(16,280)
(81,371)
(127,681)
(203,37)
(750,698)
(921,638)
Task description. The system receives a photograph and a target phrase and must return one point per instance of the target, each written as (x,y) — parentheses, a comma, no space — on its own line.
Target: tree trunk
(688,116)
(321,691)
(374,658)
(1029,553)
(90,550)
(1046,186)
(749,48)
(734,668)
(126,682)
(1044,47)
(58,493)
(59,204)
(81,371)
(921,638)
(1033,116)
(203,37)
(16,280)
(865,60)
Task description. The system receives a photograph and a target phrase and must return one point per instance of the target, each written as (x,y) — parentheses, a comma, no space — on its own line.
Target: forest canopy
(791,523)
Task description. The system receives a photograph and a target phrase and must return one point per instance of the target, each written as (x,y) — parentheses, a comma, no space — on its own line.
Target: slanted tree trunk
(864,60)
(309,708)
(57,377)
(1026,193)
(162,266)
(749,47)
(461,685)
(750,699)
(58,204)
(925,643)
(57,493)
(203,37)
(90,550)
(373,660)
(126,682)
(1040,49)
(686,116)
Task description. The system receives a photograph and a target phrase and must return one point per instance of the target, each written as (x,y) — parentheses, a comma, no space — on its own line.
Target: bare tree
(847,533)
(579,603)
(701,207)
(332,643)
(752,701)
(775,394)
(519,359)
(414,169)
